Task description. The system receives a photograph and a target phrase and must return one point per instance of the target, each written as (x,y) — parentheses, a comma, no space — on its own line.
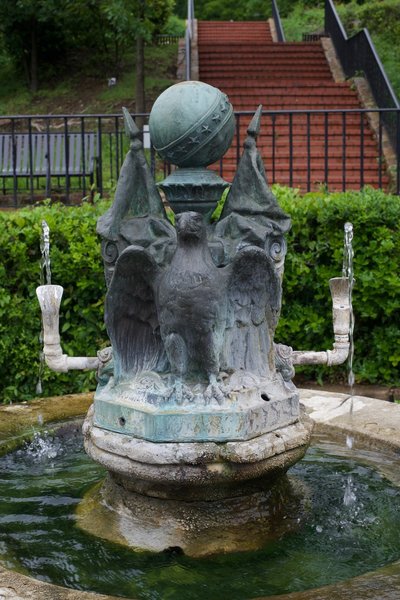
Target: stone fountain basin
(374,424)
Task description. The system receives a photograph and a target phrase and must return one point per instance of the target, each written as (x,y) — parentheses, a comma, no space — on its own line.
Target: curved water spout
(49,297)
(340,292)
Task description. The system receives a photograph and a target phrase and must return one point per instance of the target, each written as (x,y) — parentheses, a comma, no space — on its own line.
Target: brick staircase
(241,59)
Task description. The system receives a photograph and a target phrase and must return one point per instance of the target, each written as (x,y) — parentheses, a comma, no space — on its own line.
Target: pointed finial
(254,126)
(131,128)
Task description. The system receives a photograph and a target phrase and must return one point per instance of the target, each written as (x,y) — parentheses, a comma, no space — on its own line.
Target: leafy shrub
(315,245)
(174,26)
(315,255)
(77,266)
(301,20)
(381,18)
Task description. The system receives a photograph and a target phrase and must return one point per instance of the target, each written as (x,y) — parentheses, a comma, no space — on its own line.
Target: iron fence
(164,39)
(65,157)
(357,54)
(277,21)
(189,35)
(68,157)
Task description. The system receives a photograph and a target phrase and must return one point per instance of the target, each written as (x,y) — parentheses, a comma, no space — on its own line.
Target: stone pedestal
(195,470)
(198,497)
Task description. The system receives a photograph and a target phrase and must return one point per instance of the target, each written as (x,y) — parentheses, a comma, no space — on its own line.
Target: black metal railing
(164,39)
(277,21)
(68,157)
(189,35)
(64,157)
(358,55)
(336,149)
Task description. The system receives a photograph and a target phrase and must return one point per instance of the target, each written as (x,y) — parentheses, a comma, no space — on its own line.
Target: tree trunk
(34,57)
(140,96)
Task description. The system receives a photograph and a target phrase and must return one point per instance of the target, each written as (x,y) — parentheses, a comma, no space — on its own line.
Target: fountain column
(195,417)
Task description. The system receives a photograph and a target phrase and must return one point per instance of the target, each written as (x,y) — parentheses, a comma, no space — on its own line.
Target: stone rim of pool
(373,423)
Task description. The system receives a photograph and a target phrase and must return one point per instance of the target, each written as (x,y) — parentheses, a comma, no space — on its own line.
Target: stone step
(291,103)
(234,51)
(297,91)
(246,74)
(289,76)
(317,179)
(260,49)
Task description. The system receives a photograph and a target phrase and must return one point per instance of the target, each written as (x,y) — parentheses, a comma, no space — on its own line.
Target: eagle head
(190,226)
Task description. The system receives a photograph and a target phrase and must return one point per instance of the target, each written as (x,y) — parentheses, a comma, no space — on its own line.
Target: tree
(32,30)
(139,20)
(41,35)
(225,10)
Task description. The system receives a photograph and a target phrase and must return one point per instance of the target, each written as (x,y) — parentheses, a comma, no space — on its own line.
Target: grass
(390,60)
(384,30)
(85,93)
(80,94)
(301,21)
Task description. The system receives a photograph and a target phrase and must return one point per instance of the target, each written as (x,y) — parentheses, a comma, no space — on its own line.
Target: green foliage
(286,6)
(174,26)
(43,36)
(381,18)
(315,245)
(383,22)
(32,30)
(315,255)
(77,266)
(300,21)
(224,10)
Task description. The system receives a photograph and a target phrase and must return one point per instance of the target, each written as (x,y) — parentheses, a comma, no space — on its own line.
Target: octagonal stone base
(149,407)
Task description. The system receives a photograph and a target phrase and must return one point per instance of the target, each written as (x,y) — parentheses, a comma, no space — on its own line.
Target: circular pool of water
(351,525)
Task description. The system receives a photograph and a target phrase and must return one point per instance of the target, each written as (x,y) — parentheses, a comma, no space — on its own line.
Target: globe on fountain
(192,124)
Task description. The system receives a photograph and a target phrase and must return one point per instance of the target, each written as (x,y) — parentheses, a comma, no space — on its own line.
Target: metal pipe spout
(340,292)
(49,297)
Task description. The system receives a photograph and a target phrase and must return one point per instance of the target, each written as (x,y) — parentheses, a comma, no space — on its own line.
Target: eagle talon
(180,393)
(215,391)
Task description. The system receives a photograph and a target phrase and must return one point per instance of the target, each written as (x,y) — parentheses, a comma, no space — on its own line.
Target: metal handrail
(300,131)
(278,23)
(188,39)
(358,53)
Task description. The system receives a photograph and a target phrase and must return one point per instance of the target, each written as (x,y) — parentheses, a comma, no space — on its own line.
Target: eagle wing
(131,314)
(254,295)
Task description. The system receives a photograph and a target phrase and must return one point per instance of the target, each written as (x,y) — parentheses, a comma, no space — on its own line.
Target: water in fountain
(45,279)
(350,497)
(39,495)
(45,273)
(348,271)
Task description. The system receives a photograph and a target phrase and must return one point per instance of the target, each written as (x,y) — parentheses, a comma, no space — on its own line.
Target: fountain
(195,406)
(195,418)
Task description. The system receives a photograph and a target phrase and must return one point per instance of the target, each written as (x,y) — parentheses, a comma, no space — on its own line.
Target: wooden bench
(48,155)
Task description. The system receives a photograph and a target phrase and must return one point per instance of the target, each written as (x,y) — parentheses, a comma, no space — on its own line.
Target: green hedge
(77,266)
(315,254)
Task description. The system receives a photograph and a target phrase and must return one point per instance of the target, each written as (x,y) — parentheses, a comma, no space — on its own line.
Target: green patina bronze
(192,125)
(191,311)
(194,400)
